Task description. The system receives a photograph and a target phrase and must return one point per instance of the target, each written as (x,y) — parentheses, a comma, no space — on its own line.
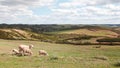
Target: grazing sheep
(26,46)
(31,46)
(43,52)
(25,49)
(15,51)
(27,52)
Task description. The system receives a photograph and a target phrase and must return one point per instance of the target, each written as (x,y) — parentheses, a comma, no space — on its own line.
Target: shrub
(109,40)
(86,43)
(98,46)
(54,58)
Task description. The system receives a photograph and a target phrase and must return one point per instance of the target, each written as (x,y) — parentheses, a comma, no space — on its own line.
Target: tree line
(40,28)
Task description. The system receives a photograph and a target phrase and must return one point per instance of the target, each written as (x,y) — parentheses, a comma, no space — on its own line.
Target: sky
(60,11)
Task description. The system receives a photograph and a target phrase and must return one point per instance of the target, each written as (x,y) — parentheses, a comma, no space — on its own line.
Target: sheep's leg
(21,52)
(24,53)
(31,53)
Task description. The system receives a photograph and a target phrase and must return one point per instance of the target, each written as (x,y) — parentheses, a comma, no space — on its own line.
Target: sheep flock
(26,50)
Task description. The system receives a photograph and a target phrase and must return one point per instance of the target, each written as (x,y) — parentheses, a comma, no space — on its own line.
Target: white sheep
(23,49)
(27,52)
(15,51)
(43,53)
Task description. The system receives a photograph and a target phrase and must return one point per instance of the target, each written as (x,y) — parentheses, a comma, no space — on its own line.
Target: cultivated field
(60,56)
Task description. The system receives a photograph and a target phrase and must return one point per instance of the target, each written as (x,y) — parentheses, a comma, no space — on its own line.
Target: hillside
(117,30)
(69,34)
(85,35)
(40,28)
(17,34)
(92,31)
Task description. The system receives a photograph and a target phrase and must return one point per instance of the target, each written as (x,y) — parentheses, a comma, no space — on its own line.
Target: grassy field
(60,56)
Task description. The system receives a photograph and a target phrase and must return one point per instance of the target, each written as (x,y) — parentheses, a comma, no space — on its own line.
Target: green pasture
(60,55)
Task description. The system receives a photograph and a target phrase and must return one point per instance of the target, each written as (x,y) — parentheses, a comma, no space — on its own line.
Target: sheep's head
(13,50)
(31,46)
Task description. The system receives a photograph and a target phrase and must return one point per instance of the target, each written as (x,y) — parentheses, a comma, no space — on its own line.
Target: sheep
(25,49)
(26,46)
(43,53)
(27,52)
(16,52)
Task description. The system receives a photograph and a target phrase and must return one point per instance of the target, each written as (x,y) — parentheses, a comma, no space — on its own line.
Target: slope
(17,34)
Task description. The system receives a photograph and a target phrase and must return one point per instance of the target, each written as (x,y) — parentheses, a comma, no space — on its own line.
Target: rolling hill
(69,34)
(92,31)
(86,35)
(18,34)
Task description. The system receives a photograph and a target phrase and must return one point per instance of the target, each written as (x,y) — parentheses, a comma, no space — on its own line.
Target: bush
(86,43)
(98,46)
(109,40)
(84,37)
(54,58)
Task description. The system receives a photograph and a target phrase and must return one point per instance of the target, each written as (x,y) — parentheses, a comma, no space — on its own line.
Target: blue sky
(60,11)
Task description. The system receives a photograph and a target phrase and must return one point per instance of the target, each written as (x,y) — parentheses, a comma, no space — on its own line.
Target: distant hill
(70,34)
(37,28)
(117,30)
(40,28)
(92,31)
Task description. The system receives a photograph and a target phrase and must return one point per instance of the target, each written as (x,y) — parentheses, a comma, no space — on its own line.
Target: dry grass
(106,33)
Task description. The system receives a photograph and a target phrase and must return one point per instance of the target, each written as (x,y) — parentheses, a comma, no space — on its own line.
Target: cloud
(14,10)
(87,11)
(12,13)
(26,2)
(92,7)
(68,12)
(113,7)
(75,3)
